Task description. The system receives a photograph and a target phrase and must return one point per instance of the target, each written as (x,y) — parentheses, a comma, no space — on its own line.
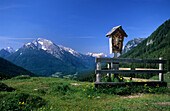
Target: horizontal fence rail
(125,60)
(130,71)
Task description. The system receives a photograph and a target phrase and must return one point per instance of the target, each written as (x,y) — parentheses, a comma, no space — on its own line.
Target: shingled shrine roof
(115,29)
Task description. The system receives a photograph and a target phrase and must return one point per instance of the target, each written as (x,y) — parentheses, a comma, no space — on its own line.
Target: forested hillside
(155,46)
(8,70)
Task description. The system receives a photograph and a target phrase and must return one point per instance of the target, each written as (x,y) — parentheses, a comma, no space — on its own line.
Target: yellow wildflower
(92,88)
(92,83)
(120,78)
(84,89)
(89,96)
(112,74)
(93,96)
(87,85)
(22,102)
(51,107)
(19,102)
(145,85)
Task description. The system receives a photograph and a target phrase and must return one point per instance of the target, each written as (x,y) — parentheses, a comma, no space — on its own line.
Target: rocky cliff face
(131,44)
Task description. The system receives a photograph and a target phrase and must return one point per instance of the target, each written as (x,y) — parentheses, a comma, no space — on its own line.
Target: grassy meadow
(55,94)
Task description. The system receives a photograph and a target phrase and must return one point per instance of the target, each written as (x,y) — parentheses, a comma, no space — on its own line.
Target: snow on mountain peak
(27,44)
(9,49)
(96,54)
(73,52)
(44,42)
(40,44)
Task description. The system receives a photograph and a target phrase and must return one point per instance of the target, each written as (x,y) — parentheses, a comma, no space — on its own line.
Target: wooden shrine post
(116,37)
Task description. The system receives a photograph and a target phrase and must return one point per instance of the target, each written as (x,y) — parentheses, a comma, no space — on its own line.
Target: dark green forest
(8,70)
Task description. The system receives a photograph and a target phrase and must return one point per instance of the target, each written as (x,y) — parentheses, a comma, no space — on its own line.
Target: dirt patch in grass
(75,84)
(139,79)
(20,83)
(162,103)
(133,96)
(107,107)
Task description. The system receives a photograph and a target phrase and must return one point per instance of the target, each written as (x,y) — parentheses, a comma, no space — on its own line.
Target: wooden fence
(114,68)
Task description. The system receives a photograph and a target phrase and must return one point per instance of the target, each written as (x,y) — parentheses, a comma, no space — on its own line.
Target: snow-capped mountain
(96,54)
(73,52)
(50,47)
(9,49)
(131,44)
(6,52)
(44,57)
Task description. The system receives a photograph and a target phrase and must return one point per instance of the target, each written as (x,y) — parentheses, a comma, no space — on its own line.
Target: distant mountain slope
(37,61)
(8,69)
(131,44)
(155,46)
(4,53)
(43,57)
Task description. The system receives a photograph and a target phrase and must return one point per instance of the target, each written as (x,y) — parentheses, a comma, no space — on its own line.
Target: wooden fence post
(108,66)
(161,78)
(98,75)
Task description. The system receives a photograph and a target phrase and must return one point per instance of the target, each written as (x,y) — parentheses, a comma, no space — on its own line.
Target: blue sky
(78,24)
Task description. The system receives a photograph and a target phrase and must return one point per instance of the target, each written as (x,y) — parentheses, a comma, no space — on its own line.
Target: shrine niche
(116,37)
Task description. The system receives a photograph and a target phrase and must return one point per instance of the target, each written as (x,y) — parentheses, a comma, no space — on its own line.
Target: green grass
(166,78)
(45,93)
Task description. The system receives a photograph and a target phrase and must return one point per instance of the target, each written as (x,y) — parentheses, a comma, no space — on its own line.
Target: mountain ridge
(6,52)
(9,49)
(48,58)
